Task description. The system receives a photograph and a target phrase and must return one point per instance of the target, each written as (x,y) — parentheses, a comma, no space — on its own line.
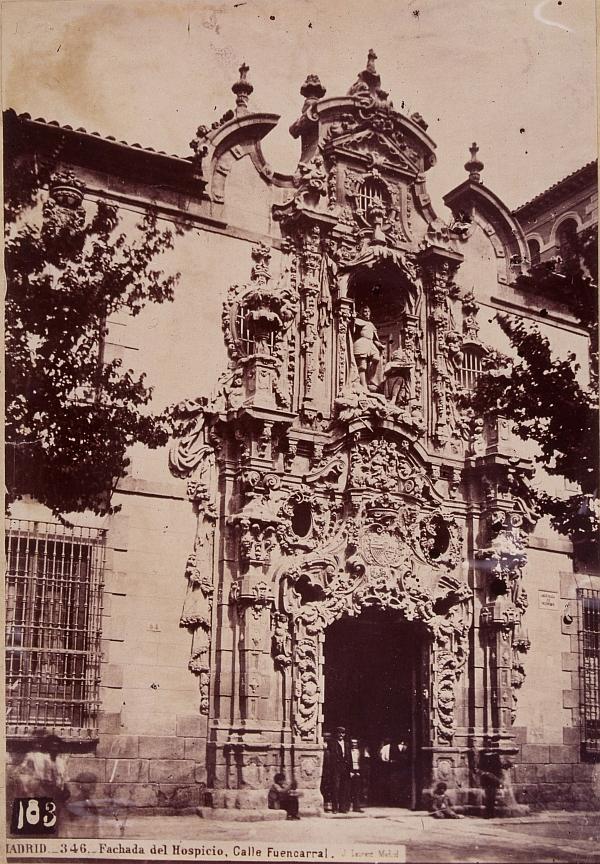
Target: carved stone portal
(378,560)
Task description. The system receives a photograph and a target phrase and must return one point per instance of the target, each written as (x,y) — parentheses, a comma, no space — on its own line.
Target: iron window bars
(589,668)
(54,581)
(471,368)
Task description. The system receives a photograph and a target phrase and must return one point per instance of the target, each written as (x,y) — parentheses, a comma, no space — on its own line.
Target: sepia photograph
(302,509)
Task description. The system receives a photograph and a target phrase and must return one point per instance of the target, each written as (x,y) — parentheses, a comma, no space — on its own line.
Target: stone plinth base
(225,815)
(310,800)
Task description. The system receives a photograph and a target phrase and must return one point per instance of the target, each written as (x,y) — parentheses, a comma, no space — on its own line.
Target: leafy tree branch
(70,417)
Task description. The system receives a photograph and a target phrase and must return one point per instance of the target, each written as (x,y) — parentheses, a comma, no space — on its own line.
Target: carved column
(254,600)
(343,315)
(309,291)
(438,265)
(502,563)
(497,621)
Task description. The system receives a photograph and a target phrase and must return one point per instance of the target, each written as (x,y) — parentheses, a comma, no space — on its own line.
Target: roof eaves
(554,188)
(109,138)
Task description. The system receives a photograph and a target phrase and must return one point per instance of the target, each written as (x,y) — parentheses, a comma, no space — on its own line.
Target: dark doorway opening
(375,682)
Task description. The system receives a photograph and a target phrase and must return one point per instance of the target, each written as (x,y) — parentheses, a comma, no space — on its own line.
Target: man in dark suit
(339,763)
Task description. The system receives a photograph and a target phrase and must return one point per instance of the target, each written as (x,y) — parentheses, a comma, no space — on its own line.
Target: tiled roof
(82,131)
(555,186)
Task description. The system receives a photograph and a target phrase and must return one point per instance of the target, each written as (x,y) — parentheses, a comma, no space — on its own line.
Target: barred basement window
(54,581)
(470,370)
(589,668)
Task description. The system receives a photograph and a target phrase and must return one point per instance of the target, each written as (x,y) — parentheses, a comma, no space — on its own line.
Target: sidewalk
(554,836)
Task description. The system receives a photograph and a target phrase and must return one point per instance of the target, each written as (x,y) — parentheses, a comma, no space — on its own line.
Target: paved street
(549,837)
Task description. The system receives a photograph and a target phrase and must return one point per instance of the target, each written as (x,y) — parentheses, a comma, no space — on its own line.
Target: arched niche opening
(534,251)
(566,239)
(386,293)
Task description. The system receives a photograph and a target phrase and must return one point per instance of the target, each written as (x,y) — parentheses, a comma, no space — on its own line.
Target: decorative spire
(242,89)
(312,88)
(474,166)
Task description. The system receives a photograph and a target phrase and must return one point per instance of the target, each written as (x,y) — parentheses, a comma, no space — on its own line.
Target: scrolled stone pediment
(385,562)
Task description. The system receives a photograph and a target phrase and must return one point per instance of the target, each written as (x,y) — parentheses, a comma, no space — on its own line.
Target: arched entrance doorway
(375,677)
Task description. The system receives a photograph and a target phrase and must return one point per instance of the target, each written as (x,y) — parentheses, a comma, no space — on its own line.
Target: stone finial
(368,82)
(474,166)
(242,89)
(312,88)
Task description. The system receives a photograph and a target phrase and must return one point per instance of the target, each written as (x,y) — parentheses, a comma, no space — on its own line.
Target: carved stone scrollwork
(64,212)
(256,319)
(383,466)
(502,561)
(444,695)
(344,352)
(311,260)
(470,309)
(355,403)
(506,555)
(281,644)
(312,90)
(307,691)
(256,541)
(310,180)
(290,454)
(310,514)
(439,263)
(373,561)
(440,540)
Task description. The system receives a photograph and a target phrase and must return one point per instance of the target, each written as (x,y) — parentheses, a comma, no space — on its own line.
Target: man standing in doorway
(340,763)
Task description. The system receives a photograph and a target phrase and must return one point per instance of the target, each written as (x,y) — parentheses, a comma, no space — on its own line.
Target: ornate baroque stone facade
(348,476)
(333,473)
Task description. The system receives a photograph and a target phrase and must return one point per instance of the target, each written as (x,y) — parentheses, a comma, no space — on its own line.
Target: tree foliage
(543,394)
(70,415)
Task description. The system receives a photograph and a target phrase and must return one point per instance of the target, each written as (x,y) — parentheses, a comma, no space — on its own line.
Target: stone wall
(551,771)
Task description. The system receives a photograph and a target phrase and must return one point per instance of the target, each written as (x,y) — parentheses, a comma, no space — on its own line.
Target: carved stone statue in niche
(367,348)
(398,375)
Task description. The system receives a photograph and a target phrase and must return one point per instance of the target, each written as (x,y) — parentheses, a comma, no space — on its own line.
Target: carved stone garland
(191,457)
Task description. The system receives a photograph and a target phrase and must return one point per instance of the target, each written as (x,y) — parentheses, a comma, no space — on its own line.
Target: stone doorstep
(222,814)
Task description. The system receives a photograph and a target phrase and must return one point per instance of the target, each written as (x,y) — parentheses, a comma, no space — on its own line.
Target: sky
(517,76)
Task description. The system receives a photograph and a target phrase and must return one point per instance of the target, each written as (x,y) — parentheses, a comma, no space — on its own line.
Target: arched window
(471,368)
(534,251)
(566,239)
(370,191)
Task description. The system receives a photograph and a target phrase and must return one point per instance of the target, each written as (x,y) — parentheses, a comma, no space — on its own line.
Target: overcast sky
(517,76)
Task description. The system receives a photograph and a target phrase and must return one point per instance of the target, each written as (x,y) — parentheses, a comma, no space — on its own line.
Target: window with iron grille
(471,368)
(246,336)
(54,581)
(589,668)
(371,191)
